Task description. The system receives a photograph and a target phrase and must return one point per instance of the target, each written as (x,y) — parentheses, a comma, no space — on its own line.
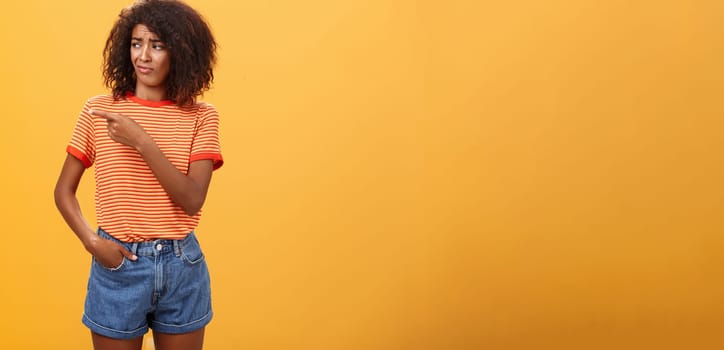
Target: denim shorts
(166,289)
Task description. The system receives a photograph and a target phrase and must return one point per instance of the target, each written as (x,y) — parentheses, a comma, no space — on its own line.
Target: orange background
(408,174)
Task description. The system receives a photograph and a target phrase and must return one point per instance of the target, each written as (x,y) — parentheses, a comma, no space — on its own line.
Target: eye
(136,44)
(158,47)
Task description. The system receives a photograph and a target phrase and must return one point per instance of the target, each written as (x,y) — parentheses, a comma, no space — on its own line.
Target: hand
(123,129)
(108,253)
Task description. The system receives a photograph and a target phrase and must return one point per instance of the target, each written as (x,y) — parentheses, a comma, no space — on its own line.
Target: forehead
(141,31)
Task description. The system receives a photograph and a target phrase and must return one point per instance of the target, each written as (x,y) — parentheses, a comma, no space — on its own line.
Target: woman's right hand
(108,253)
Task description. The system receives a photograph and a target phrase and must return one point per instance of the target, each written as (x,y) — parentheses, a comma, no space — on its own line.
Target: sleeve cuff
(80,155)
(215,157)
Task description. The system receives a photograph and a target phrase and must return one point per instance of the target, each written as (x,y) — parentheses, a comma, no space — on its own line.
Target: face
(151,61)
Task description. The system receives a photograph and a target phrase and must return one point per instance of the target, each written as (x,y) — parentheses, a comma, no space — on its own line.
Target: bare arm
(187,190)
(107,252)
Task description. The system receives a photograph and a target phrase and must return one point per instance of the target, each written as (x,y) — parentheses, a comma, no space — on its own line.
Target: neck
(151,94)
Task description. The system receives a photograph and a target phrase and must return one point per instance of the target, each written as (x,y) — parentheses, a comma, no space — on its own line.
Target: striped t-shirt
(130,203)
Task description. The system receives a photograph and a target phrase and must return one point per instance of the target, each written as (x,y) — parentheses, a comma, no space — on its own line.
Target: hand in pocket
(110,254)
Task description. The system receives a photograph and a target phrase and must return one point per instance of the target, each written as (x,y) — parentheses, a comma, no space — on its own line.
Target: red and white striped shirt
(130,203)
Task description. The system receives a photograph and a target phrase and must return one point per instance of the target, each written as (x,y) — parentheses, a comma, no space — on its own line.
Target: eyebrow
(152,40)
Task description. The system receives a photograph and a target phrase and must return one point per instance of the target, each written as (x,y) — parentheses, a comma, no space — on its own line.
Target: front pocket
(191,251)
(112,269)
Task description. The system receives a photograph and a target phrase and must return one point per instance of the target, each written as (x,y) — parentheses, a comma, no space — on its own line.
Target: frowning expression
(150,59)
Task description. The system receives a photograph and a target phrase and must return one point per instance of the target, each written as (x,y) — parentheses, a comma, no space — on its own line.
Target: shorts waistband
(151,248)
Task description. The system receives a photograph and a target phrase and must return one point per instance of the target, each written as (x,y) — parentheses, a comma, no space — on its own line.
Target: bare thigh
(104,343)
(187,341)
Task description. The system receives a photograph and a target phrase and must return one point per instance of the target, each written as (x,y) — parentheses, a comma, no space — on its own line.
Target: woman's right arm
(107,252)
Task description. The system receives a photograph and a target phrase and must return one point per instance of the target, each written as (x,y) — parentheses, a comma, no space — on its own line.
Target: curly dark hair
(186,35)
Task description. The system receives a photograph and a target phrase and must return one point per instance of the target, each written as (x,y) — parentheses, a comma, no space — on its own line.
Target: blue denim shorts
(166,289)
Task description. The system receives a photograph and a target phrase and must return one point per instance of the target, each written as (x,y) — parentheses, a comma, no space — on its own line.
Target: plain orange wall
(408,174)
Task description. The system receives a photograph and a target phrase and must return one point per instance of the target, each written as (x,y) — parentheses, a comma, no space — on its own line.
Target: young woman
(154,148)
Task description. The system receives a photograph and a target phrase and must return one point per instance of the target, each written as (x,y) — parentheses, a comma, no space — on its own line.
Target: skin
(152,63)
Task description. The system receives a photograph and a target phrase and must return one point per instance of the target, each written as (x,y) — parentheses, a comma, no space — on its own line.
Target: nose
(145,57)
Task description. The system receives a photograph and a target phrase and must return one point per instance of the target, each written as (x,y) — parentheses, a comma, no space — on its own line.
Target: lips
(144,70)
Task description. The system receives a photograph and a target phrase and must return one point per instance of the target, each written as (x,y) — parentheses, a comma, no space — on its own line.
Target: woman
(154,148)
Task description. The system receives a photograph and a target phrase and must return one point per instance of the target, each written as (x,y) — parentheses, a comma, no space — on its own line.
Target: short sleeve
(82,142)
(206,143)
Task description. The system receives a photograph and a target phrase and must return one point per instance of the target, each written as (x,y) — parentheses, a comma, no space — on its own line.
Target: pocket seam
(192,262)
(111,269)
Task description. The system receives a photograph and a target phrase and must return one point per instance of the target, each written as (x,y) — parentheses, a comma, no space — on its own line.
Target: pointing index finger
(103,114)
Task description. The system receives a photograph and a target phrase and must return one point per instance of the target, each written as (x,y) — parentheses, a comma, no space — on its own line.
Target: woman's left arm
(186,190)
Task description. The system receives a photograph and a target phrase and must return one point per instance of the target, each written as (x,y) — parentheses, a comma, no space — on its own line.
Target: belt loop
(177,247)
(134,248)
